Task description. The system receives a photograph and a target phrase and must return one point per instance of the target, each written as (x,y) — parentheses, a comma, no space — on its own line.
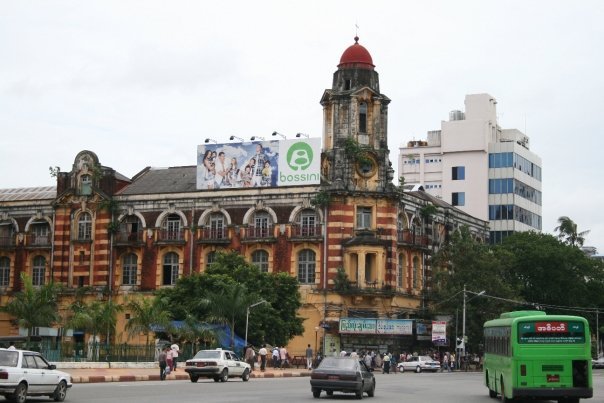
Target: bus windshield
(551,332)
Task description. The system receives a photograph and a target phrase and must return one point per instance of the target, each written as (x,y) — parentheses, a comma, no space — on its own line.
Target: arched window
(306,266)
(363,118)
(129,266)
(172,227)
(260,259)
(308,223)
(217,226)
(262,225)
(38,274)
(7,233)
(401,271)
(85,185)
(85,227)
(39,233)
(415,272)
(130,229)
(4,271)
(170,269)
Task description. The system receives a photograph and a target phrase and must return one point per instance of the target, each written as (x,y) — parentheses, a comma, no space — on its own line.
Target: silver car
(419,364)
(27,373)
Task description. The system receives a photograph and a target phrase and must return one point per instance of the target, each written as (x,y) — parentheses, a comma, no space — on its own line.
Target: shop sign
(376,326)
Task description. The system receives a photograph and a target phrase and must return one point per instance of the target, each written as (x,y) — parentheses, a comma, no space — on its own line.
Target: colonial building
(359,245)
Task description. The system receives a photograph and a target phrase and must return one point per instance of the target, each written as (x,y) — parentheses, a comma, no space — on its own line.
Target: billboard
(259,164)
(376,326)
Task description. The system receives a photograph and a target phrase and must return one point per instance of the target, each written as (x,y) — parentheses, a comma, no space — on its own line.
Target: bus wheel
(503,398)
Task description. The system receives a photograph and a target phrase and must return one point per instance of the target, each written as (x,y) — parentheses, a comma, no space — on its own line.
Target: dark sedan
(342,374)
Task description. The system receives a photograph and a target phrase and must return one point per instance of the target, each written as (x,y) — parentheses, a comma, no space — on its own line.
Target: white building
(484,170)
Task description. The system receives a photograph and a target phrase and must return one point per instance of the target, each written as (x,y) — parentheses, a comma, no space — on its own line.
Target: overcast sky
(142,83)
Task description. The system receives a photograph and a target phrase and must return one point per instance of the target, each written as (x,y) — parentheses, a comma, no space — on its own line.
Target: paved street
(409,387)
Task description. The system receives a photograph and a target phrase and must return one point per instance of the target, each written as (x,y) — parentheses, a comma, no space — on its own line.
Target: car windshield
(8,358)
(425,358)
(338,363)
(208,354)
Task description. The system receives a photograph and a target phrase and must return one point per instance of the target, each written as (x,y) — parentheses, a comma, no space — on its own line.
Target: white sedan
(27,373)
(419,364)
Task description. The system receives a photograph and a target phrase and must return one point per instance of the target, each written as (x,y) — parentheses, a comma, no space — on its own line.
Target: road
(409,387)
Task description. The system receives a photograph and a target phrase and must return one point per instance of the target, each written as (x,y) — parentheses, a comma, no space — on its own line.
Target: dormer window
(85,185)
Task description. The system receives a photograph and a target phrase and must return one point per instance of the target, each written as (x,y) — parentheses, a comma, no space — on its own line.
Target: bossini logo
(299,158)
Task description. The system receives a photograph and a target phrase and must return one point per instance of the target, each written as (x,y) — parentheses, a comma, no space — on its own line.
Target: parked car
(27,373)
(342,374)
(599,363)
(419,364)
(218,364)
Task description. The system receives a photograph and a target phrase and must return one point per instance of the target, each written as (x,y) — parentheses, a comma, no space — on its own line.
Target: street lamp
(301,135)
(280,135)
(212,140)
(463,326)
(235,137)
(256,137)
(247,316)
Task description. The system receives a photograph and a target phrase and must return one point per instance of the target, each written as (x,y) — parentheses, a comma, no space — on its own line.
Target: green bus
(529,354)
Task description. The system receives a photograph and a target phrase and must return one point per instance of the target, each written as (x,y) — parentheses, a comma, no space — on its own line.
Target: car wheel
(20,394)
(224,375)
(216,378)
(60,392)
(371,392)
(329,392)
(418,369)
(194,378)
(359,393)
(246,375)
(316,393)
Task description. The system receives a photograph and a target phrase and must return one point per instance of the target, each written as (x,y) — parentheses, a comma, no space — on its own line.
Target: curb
(171,377)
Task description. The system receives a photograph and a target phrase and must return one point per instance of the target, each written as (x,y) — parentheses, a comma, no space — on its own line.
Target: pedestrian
(386,369)
(250,354)
(262,352)
(162,363)
(354,353)
(276,363)
(308,357)
(446,362)
(283,357)
(175,352)
(12,346)
(169,359)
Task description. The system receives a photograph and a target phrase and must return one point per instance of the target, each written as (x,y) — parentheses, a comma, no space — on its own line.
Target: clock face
(366,167)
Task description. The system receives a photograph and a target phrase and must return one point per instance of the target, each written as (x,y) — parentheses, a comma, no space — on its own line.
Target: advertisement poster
(259,164)
(439,332)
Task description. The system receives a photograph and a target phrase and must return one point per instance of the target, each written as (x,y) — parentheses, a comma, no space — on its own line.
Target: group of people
(168,358)
(279,357)
(217,172)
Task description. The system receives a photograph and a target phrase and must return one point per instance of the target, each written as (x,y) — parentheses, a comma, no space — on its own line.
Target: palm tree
(567,232)
(96,317)
(228,306)
(34,306)
(145,314)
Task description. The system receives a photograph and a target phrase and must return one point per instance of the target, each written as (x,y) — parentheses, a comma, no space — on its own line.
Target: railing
(128,237)
(171,235)
(262,232)
(7,240)
(408,237)
(37,240)
(305,231)
(217,234)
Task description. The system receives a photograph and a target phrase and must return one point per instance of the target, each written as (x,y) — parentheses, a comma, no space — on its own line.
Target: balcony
(306,232)
(37,241)
(259,234)
(214,236)
(128,237)
(7,241)
(171,236)
(406,237)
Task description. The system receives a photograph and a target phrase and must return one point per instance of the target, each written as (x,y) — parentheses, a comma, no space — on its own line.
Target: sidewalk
(126,372)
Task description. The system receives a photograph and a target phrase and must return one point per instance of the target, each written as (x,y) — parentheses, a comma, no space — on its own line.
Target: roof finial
(356,32)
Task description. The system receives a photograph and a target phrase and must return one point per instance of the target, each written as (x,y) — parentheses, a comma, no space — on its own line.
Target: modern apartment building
(475,165)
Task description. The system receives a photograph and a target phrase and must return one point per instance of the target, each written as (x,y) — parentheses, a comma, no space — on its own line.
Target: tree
(34,306)
(567,232)
(95,318)
(145,314)
(229,306)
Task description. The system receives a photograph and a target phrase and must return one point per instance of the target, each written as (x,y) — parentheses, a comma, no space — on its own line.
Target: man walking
(308,357)
(262,352)
(162,363)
